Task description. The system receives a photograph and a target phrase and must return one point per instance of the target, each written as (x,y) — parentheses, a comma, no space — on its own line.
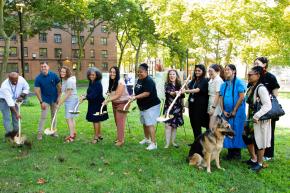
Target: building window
(82,38)
(26,68)
(57,38)
(1,51)
(75,53)
(104,53)
(13,52)
(104,41)
(12,67)
(92,40)
(42,52)
(105,66)
(91,28)
(75,66)
(74,39)
(92,53)
(57,52)
(104,29)
(42,37)
(14,38)
(25,37)
(25,52)
(91,64)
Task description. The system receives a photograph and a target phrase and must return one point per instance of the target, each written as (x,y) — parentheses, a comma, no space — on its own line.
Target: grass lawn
(84,167)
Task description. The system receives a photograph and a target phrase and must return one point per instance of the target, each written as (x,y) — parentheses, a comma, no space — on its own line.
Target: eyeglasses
(252,74)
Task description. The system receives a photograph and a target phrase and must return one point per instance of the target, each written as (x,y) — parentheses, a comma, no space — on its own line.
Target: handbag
(275,112)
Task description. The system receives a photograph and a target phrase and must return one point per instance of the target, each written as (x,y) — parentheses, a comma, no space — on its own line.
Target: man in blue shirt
(47,88)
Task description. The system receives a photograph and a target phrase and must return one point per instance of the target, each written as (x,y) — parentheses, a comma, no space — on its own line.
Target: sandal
(100,138)
(95,140)
(119,144)
(69,139)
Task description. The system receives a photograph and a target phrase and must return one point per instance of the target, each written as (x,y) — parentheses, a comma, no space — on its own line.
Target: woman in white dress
(214,86)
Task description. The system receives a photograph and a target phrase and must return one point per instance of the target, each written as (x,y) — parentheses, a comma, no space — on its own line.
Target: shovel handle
(176,97)
(53,119)
(124,108)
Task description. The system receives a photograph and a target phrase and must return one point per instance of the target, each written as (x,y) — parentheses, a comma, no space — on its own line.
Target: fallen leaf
(41,181)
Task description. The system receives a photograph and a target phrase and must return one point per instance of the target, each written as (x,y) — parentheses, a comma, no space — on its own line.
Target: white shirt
(11,92)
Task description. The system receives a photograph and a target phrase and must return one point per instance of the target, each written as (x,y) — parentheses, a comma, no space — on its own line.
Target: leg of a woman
(251,149)
(269,152)
(120,121)
(192,121)
(173,136)
(146,131)
(97,127)
(151,130)
(71,126)
(167,134)
(260,155)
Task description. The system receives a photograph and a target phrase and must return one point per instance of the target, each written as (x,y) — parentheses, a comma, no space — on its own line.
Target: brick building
(59,47)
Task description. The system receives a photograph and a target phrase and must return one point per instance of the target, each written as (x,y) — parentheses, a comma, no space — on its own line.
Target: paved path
(284,121)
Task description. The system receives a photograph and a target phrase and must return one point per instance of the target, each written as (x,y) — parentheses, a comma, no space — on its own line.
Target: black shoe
(100,138)
(257,167)
(250,162)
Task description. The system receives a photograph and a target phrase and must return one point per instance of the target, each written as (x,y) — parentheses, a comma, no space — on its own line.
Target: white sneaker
(145,141)
(152,146)
(166,146)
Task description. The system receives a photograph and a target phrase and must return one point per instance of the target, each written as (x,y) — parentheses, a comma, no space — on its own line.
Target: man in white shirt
(13,89)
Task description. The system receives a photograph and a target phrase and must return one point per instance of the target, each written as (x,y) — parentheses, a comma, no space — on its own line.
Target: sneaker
(257,167)
(152,146)
(267,158)
(145,141)
(39,136)
(166,146)
(175,145)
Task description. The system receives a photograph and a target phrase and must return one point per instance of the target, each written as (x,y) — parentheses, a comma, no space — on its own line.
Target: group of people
(222,93)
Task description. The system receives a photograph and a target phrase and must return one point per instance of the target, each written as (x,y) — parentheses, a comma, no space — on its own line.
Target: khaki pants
(42,120)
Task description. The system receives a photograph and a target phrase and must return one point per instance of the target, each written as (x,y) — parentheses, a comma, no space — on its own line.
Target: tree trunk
(122,49)
(3,66)
(137,55)
(229,52)
(80,54)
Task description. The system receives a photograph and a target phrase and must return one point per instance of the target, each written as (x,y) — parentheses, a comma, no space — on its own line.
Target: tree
(77,16)
(35,20)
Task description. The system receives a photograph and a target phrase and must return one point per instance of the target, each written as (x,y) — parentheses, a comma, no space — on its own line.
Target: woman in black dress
(172,86)
(95,99)
(198,100)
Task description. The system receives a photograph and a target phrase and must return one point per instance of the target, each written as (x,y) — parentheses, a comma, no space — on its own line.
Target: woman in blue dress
(232,94)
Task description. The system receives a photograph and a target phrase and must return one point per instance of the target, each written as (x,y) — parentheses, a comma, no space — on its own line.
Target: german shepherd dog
(207,146)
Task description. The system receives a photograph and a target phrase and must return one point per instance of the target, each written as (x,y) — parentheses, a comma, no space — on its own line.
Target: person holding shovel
(172,86)
(96,114)
(149,105)
(47,88)
(14,89)
(70,98)
(119,96)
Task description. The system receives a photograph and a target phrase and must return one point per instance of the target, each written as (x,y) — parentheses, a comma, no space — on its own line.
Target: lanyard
(13,91)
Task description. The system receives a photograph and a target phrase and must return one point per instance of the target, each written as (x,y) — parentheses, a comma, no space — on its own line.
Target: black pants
(269,152)
(197,123)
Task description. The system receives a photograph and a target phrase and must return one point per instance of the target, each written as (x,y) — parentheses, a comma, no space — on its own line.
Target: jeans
(6,113)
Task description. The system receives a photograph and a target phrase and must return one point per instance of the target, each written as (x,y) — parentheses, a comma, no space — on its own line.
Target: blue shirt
(48,86)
